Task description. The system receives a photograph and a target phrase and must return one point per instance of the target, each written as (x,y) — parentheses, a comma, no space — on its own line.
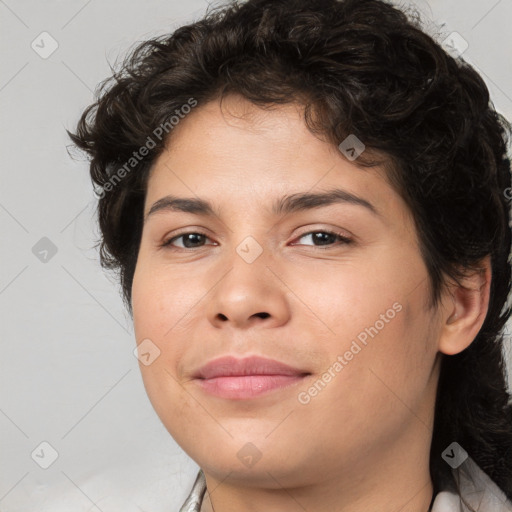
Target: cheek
(151,320)
(378,387)
(165,308)
(381,339)
(386,367)
(348,299)
(162,301)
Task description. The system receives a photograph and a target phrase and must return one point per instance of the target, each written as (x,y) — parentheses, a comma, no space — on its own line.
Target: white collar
(477,489)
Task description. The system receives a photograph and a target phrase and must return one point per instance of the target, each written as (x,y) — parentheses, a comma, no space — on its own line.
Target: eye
(195,239)
(325,238)
(191,240)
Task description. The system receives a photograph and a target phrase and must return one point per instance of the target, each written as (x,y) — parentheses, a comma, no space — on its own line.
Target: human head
(358,68)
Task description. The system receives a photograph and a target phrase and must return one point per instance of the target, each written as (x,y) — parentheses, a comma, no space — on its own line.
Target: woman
(307,206)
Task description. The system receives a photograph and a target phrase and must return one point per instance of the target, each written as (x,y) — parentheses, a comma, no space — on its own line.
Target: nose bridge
(248,261)
(251,250)
(247,236)
(248,292)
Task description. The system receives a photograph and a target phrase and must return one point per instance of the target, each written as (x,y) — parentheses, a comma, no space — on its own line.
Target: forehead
(238,152)
(236,131)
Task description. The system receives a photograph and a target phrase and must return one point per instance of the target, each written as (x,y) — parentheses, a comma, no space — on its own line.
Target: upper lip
(229,366)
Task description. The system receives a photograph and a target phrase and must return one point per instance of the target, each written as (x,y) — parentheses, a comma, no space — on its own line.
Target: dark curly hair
(358,67)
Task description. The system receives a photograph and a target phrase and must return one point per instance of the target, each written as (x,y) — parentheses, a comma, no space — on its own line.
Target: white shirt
(477,489)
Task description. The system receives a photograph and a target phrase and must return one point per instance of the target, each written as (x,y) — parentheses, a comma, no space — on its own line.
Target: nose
(249,295)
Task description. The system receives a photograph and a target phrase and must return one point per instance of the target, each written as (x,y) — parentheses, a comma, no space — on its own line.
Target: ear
(464,310)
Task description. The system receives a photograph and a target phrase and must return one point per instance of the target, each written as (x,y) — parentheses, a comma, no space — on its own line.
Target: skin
(362,443)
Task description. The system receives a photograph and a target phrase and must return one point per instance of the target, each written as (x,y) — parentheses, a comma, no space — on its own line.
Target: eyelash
(167,244)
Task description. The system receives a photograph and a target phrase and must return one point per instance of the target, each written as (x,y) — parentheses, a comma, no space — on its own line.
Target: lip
(250,377)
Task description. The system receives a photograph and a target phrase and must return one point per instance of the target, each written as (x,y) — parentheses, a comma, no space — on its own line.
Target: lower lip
(247,386)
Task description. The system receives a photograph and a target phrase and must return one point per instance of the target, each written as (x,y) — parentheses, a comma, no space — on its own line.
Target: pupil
(323,236)
(191,235)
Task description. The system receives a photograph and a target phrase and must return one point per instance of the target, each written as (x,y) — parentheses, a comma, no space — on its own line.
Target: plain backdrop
(68,375)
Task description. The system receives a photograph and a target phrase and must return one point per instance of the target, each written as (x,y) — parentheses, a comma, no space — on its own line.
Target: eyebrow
(282,206)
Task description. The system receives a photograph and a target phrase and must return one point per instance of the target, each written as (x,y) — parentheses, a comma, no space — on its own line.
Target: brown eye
(325,238)
(191,240)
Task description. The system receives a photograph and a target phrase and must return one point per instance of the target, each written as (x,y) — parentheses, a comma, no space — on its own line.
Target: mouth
(241,379)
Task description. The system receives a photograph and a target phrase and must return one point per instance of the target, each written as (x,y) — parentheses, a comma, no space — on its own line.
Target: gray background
(68,376)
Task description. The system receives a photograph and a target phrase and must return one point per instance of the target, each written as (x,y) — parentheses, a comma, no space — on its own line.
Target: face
(335,288)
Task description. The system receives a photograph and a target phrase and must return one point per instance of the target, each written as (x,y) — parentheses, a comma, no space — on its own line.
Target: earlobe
(466,309)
